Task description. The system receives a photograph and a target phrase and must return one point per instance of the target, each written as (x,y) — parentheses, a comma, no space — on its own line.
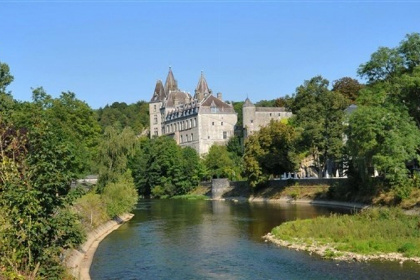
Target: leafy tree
(6,100)
(387,63)
(35,178)
(319,113)
(237,106)
(162,168)
(114,151)
(219,163)
(270,152)
(385,139)
(266,103)
(348,87)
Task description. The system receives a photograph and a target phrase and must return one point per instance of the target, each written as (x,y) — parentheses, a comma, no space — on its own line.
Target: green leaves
(271,151)
(162,168)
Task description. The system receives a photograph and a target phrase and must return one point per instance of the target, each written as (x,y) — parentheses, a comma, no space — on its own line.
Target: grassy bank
(370,232)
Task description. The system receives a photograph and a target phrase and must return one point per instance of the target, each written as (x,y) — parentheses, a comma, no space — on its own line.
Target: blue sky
(107,51)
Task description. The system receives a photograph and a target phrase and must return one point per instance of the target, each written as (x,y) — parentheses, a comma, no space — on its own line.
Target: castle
(197,121)
(202,120)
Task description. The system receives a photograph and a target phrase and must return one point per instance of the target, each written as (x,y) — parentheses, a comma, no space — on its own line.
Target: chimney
(219,96)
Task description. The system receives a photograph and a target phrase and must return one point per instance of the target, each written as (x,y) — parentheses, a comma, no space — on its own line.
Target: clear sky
(107,51)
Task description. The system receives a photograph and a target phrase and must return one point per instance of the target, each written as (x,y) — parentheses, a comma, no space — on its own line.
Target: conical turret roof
(159,93)
(170,84)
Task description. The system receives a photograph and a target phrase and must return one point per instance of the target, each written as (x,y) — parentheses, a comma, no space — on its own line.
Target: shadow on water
(181,239)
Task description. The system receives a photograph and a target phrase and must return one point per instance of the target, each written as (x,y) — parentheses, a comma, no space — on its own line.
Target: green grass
(190,197)
(372,231)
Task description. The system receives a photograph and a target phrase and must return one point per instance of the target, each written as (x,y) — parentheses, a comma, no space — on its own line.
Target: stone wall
(223,188)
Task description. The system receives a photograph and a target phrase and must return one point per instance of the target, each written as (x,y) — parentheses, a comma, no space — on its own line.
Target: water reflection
(216,239)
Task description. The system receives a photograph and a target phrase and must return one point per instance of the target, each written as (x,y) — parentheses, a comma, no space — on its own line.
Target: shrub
(121,196)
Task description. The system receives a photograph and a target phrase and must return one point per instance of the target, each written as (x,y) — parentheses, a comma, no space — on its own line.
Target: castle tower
(248,111)
(170,84)
(155,105)
(202,90)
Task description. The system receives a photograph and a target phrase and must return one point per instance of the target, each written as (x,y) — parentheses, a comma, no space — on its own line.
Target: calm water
(176,239)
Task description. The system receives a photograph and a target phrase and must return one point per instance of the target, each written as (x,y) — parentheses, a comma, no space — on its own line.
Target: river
(180,239)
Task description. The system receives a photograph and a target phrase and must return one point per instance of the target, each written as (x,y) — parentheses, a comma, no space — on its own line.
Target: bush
(121,196)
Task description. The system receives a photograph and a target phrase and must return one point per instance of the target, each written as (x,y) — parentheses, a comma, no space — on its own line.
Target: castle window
(270,114)
(195,122)
(192,137)
(252,121)
(155,119)
(186,138)
(191,123)
(208,137)
(224,134)
(155,131)
(181,139)
(221,123)
(154,108)
(212,123)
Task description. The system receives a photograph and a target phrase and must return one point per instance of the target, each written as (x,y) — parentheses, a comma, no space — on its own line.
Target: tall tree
(319,113)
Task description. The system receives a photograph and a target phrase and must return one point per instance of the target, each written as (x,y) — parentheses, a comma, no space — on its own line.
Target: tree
(387,63)
(348,87)
(114,151)
(319,114)
(270,152)
(219,164)
(35,178)
(386,139)
(6,100)
(161,168)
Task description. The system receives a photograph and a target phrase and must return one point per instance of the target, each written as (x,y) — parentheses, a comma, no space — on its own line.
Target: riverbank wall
(223,188)
(79,260)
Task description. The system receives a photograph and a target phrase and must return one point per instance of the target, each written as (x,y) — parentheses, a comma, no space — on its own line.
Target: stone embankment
(80,260)
(327,251)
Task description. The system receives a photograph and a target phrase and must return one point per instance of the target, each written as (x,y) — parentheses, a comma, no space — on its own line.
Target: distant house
(197,121)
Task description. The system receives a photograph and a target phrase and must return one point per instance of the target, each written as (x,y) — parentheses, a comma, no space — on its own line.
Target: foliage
(121,196)
(270,151)
(384,139)
(69,118)
(121,115)
(348,87)
(319,114)
(162,168)
(237,106)
(387,63)
(373,231)
(35,178)
(114,150)
(219,163)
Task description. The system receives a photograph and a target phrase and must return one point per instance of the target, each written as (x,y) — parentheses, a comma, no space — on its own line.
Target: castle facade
(197,121)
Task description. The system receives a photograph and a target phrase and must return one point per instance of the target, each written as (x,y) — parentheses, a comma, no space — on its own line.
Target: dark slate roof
(212,101)
(248,103)
(182,97)
(202,85)
(170,84)
(159,93)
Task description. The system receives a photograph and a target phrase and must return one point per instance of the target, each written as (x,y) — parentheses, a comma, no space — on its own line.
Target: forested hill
(121,115)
